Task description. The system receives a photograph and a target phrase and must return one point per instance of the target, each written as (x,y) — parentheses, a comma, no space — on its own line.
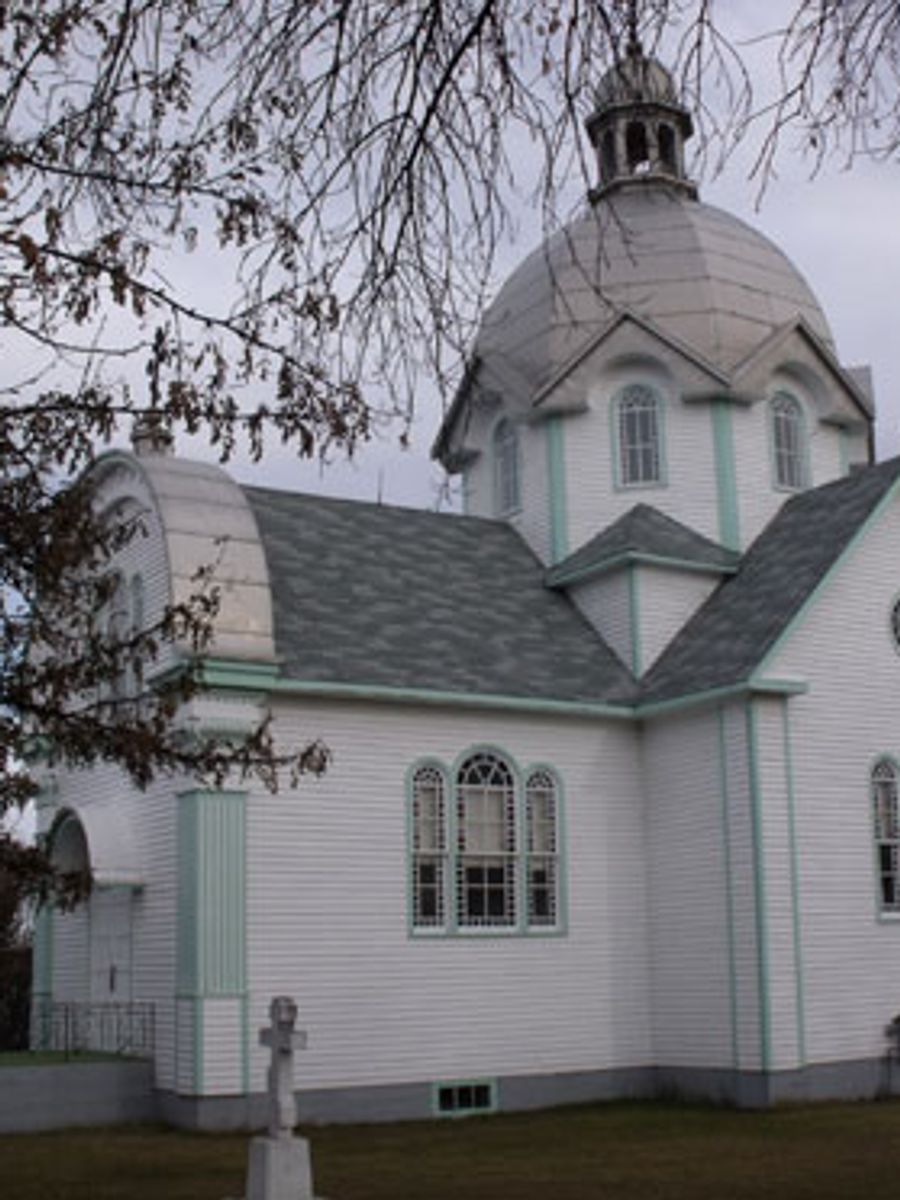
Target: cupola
(639,126)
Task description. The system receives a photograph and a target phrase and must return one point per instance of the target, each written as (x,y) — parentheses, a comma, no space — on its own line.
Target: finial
(633,47)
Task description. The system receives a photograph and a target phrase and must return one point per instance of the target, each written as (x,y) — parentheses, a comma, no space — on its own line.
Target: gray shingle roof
(730,635)
(642,531)
(377,595)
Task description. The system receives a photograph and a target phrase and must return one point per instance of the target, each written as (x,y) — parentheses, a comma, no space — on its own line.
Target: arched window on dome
(665,137)
(608,156)
(883,785)
(789,449)
(636,147)
(637,418)
(507,497)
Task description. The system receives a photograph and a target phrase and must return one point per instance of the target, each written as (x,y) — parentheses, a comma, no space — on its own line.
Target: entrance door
(110,965)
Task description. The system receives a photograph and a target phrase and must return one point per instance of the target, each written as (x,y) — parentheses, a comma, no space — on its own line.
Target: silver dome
(701,276)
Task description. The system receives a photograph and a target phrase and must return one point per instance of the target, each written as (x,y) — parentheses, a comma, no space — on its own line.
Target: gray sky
(840,227)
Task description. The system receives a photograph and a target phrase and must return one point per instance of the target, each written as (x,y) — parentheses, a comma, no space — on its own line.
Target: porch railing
(77,1028)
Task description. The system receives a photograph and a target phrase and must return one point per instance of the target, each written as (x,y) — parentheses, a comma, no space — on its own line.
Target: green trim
(449,909)
(729,892)
(726,475)
(225,672)
(795,887)
(556,487)
(436,1088)
(42,954)
(562,857)
(753,687)
(803,611)
(615,446)
(636,557)
(634,621)
(759,891)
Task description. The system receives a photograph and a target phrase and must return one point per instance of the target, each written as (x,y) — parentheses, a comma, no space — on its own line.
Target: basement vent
(460,1099)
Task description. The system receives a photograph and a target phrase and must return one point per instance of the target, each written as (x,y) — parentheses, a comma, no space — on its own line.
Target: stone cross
(282,1039)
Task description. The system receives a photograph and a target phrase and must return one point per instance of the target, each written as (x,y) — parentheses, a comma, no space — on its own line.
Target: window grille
(486,843)
(887,835)
(459,1099)
(638,417)
(541,831)
(506,469)
(788,442)
(429,849)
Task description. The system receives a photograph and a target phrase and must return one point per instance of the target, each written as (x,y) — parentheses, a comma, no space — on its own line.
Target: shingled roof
(384,596)
(642,533)
(731,633)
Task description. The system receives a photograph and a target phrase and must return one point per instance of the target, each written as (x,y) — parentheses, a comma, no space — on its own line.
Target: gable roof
(643,533)
(730,635)
(395,597)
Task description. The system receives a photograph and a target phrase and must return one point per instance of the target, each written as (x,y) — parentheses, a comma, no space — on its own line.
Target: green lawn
(619,1152)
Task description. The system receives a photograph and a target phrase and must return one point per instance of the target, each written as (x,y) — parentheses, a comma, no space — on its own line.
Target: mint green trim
(556,487)
(636,557)
(199,1034)
(729,893)
(615,444)
(43,953)
(759,892)
(224,672)
(803,611)
(726,476)
(752,687)
(490,1084)
(799,992)
(634,620)
(212,942)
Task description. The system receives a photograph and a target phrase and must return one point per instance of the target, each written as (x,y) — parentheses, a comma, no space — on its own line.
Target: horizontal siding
(848,717)
(327,912)
(666,599)
(605,601)
(72,955)
(223,1046)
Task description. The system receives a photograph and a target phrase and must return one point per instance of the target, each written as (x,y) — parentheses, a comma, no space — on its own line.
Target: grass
(626,1151)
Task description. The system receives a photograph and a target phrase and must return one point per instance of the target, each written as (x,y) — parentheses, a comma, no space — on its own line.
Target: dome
(700,275)
(636,79)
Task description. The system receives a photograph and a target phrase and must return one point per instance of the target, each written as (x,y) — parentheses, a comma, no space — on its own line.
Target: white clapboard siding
(687,888)
(71,955)
(665,601)
(605,601)
(223,1045)
(327,910)
(839,728)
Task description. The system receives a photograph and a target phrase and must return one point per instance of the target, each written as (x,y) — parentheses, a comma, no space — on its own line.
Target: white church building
(612,808)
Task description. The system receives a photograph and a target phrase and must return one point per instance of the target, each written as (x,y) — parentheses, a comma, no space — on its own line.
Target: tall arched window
(638,429)
(506,468)
(788,441)
(542,848)
(887,835)
(486,842)
(429,848)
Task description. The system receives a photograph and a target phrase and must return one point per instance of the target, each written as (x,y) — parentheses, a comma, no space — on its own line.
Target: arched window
(506,468)
(636,148)
(887,836)
(542,848)
(665,136)
(788,442)
(608,156)
(486,842)
(638,430)
(429,848)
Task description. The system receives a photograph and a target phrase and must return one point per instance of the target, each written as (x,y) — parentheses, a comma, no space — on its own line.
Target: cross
(282,1039)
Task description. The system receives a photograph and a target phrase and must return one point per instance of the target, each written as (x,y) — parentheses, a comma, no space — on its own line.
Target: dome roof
(636,78)
(700,275)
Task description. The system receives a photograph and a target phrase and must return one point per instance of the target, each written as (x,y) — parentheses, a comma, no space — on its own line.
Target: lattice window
(486,842)
(788,442)
(507,498)
(542,867)
(887,834)
(429,846)
(638,421)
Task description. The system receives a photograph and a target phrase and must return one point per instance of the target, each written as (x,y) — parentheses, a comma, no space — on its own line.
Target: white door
(111,946)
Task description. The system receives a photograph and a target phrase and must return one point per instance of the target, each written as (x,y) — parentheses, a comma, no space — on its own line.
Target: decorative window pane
(506,469)
(887,837)
(638,419)
(429,848)
(486,842)
(789,442)
(542,842)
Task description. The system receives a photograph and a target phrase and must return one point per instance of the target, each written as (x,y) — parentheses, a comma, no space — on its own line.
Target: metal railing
(78,1028)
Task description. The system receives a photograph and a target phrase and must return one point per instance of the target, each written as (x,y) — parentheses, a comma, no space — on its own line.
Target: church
(612,805)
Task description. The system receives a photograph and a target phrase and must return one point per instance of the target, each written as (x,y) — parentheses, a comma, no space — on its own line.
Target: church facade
(612,802)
